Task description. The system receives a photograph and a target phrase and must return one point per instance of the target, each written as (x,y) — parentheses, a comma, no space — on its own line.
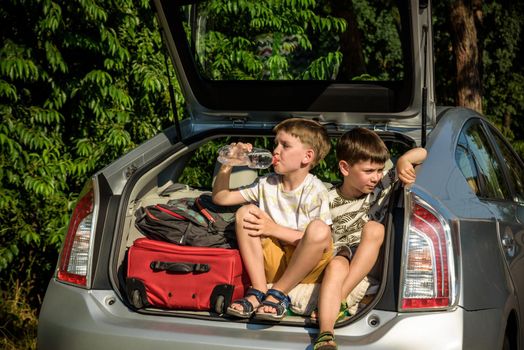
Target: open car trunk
(242,70)
(187,172)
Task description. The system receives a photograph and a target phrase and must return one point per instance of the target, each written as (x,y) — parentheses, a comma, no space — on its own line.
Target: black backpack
(189,221)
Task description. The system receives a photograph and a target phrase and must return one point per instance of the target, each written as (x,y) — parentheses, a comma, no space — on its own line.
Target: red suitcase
(169,276)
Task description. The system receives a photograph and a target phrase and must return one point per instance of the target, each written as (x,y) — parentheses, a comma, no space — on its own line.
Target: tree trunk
(350,41)
(463,14)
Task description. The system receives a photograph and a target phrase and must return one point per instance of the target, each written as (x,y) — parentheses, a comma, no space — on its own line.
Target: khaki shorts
(277,257)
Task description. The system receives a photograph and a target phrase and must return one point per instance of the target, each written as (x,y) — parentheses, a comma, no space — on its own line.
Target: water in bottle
(258,158)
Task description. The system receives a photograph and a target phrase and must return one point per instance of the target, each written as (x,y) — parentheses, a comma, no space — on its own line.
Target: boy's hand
(237,151)
(406,172)
(221,193)
(259,223)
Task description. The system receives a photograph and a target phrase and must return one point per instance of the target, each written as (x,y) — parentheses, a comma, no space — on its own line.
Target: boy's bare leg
(308,253)
(365,256)
(252,256)
(331,293)
(341,276)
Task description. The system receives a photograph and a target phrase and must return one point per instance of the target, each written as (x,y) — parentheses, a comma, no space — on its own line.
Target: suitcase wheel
(219,305)
(136,293)
(136,299)
(221,298)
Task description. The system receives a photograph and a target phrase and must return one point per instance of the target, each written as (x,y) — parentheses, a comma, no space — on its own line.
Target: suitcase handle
(179,267)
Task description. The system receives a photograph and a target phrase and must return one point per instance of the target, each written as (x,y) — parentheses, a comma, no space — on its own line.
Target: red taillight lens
(74,258)
(428,270)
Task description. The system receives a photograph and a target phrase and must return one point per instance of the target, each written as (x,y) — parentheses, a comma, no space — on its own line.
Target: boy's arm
(317,208)
(222,195)
(260,224)
(406,162)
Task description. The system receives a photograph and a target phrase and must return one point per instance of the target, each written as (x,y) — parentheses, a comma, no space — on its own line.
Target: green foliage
(376,20)
(327,169)
(445,71)
(199,172)
(19,318)
(503,76)
(259,39)
(81,83)
(500,43)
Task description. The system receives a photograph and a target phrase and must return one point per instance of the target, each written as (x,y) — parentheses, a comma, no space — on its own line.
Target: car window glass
(516,172)
(467,165)
(259,40)
(481,164)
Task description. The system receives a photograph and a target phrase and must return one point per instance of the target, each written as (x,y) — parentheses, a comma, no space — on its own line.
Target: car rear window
(261,55)
(296,40)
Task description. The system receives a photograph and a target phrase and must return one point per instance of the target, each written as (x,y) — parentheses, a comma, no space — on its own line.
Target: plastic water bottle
(258,158)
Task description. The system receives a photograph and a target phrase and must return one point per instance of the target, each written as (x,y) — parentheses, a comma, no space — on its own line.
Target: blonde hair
(310,133)
(361,144)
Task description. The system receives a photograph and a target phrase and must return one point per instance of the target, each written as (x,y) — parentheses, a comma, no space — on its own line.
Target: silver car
(451,269)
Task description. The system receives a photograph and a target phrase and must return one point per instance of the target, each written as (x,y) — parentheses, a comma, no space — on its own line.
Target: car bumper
(74,318)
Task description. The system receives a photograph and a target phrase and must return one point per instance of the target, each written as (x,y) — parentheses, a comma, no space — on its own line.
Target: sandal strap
(247,307)
(282,303)
(322,339)
(325,337)
(278,306)
(282,298)
(256,293)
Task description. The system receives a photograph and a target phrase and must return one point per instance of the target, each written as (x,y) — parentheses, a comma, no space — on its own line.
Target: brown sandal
(323,340)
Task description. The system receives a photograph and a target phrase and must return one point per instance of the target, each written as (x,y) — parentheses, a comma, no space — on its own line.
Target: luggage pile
(188,260)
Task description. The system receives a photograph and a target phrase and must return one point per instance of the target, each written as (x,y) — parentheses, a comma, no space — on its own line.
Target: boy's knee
(240,215)
(337,265)
(243,211)
(374,231)
(318,231)
(318,226)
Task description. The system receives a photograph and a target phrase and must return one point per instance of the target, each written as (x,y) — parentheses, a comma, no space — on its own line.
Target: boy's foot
(276,300)
(313,315)
(246,306)
(325,341)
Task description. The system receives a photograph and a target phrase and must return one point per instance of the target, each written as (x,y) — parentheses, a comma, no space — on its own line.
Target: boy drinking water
(283,235)
(358,207)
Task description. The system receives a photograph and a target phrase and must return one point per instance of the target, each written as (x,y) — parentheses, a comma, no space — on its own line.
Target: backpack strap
(204,211)
(186,208)
(170,212)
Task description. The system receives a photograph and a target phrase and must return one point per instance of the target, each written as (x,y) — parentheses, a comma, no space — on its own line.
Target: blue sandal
(280,306)
(247,308)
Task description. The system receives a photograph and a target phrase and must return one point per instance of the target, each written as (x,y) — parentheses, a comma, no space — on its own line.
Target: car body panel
(98,320)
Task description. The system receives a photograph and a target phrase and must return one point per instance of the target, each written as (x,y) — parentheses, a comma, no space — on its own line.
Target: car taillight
(74,258)
(428,273)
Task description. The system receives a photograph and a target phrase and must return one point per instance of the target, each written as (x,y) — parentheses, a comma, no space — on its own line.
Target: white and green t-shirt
(294,209)
(350,215)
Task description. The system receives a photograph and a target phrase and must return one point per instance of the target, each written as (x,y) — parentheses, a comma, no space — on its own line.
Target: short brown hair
(310,133)
(361,144)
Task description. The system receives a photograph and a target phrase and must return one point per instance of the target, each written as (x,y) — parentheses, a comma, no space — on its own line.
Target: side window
(466,164)
(516,171)
(479,164)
